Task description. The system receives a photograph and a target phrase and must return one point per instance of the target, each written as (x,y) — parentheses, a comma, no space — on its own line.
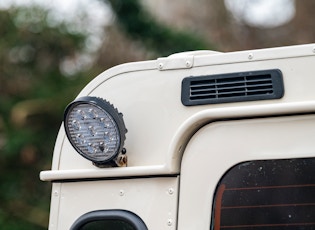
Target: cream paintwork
(159,128)
(159,125)
(220,145)
(149,198)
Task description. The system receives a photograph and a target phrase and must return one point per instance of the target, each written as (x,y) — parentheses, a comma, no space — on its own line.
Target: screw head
(169,222)
(56,193)
(188,64)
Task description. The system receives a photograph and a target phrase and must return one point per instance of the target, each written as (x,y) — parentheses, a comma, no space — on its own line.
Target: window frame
(274,174)
(98,215)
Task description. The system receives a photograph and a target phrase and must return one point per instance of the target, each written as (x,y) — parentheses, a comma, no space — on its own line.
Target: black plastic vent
(232,87)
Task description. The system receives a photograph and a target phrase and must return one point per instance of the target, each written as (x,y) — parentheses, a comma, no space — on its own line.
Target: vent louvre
(235,87)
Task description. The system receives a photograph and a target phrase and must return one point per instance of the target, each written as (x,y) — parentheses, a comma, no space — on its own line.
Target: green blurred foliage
(141,26)
(34,92)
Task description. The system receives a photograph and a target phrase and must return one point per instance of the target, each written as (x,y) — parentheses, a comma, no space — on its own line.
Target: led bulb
(95,129)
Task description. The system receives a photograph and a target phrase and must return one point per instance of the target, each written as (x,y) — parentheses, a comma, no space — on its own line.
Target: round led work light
(95,129)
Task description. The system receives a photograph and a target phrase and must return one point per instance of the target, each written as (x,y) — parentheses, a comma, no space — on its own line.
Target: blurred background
(50,49)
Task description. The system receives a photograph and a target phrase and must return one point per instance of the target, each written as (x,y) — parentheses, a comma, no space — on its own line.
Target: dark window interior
(270,194)
(109,220)
(107,224)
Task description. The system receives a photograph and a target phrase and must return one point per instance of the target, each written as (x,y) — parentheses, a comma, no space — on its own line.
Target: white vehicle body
(178,154)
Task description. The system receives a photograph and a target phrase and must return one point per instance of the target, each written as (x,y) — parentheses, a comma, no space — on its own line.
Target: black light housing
(95,129)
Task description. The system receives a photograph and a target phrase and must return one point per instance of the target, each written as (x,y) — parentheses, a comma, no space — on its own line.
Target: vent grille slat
(200,84)
(232,87)
(235,87)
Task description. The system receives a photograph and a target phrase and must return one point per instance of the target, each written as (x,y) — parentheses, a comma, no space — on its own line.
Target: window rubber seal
(98,215)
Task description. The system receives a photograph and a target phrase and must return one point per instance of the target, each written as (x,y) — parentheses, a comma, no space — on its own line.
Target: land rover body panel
(186,148)
(219,146)
(152,199)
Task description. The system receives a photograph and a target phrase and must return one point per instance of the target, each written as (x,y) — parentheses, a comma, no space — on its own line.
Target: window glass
(271,194)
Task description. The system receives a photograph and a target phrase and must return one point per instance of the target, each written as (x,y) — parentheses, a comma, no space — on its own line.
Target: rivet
(56,193)
(171,191)
(121,193)
(188,64)
(169,222)
(250,56)
(161,65)
(313,49)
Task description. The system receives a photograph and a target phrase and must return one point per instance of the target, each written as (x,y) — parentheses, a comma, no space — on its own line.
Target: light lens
(95,129)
